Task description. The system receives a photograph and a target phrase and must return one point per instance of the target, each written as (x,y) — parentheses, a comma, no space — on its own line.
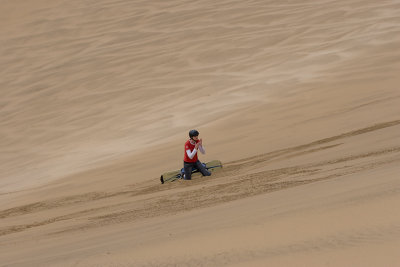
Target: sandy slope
(299,100)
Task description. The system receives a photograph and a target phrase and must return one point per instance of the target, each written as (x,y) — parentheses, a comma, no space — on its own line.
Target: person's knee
(187,176)
(187,172)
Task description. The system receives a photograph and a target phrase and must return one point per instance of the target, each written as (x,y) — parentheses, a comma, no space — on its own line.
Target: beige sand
(299,99)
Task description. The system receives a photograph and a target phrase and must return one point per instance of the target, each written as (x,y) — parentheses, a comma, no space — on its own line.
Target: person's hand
(200,142)
(196,146)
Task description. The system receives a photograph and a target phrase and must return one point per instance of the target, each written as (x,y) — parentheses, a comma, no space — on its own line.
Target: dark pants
(188,167)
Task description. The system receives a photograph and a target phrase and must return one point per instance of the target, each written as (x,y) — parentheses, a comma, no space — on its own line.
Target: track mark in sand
(50,204)
(272,156)
(358,156)
(244,186)
(22,227)
(69,201)
(277,153)
(247,162)
(170,199)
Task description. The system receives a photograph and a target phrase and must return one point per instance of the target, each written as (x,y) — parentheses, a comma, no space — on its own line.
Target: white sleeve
(191,153)
(202,150)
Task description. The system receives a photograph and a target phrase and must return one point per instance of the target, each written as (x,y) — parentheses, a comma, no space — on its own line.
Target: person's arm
(191,153)
(202,150)
(200,145)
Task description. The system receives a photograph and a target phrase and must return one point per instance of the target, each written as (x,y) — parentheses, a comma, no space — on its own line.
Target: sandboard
(175,175)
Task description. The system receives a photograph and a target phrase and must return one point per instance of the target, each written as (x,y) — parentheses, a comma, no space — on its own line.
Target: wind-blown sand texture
(299,99)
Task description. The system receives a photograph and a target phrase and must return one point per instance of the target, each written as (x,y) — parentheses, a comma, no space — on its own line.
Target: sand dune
(300,100)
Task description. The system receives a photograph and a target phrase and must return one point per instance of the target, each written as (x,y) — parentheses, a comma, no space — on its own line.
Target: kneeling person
(190,159)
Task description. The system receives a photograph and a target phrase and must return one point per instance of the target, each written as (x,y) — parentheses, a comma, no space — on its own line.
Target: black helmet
(193,133)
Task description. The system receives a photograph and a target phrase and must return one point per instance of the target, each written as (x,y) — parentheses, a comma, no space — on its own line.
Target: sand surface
(299,99)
